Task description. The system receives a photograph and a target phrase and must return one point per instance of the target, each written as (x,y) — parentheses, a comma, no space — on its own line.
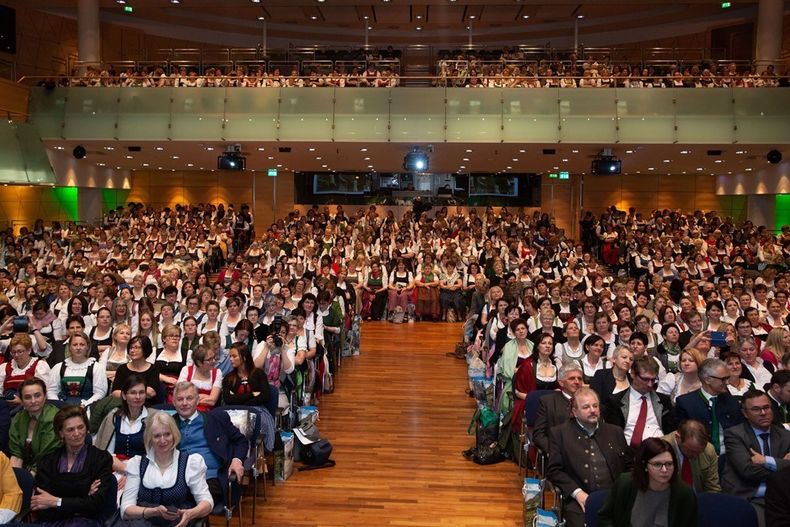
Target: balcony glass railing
(415,114)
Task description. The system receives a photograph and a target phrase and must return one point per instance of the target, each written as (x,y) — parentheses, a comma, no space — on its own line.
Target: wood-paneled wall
(647,192)
(166,189)
(21,205)
(13,100)
(273,197)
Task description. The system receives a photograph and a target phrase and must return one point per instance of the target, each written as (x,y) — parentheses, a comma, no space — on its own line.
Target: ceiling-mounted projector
(606,163)
(416,161)
(232,159)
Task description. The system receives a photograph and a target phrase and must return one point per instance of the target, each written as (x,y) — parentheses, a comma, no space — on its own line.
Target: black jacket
(73,488)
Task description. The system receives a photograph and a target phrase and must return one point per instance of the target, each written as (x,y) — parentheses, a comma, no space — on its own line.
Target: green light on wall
(68,198)
(782,216)
(113,198)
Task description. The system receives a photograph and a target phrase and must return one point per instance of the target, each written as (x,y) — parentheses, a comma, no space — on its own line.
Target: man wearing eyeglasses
(712,404)
(756,449)
(640,411)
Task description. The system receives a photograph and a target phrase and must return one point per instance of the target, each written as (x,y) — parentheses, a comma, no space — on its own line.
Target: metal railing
(201,67)
(378,80)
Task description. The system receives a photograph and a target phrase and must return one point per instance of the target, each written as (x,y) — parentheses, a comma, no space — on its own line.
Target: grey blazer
(553,410)
(740,476)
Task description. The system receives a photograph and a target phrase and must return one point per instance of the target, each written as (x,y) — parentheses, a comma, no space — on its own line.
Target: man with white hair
(211,435)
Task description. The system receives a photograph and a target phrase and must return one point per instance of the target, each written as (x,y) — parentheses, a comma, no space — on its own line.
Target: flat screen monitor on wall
(514,190)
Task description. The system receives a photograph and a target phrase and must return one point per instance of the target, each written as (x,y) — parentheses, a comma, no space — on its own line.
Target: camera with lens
(21,325)
(277,323)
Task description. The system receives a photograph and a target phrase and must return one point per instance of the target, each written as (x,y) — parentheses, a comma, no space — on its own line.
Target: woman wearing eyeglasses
(205,375)
(652,494)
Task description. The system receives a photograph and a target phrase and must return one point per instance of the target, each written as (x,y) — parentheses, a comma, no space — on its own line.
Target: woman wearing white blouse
(165,478)
(80,379)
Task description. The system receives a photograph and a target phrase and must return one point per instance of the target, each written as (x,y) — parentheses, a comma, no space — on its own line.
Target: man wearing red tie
(639,410)
(696,456)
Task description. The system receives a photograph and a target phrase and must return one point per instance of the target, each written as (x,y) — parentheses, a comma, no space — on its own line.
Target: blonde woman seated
(117,355)
(164,478)
(687,379)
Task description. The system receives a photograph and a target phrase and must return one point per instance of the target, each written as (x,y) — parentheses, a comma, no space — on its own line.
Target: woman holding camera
(272,355)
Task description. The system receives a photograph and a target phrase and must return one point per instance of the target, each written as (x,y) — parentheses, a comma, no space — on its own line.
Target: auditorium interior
(447,199)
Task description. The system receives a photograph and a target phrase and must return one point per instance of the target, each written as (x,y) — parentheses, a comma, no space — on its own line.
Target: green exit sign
(565,175)
(726,5)
(553,175)
(272,172)
(128,9)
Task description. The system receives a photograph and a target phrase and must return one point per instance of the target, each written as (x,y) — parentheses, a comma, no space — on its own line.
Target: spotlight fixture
(79,152)
(416,161)
(606,163)
(774,157)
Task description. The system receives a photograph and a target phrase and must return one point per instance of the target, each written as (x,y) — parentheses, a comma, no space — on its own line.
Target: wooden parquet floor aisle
(397,421)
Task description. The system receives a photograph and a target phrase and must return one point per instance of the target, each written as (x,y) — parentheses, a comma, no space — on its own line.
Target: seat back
(26,482)
(593,505)
(531,406)
(246,419)
(274,400)
(717,509)
(111,506)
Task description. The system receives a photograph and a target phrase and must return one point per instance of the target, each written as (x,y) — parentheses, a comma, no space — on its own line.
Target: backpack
(486,450)
(317,453)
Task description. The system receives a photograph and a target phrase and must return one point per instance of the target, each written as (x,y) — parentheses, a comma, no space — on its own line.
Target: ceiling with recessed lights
(444,158)
(403,21)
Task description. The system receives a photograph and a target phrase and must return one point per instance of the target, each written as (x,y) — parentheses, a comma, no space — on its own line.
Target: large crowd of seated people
(376,75)
(664,316)
(467,70)
(664,342)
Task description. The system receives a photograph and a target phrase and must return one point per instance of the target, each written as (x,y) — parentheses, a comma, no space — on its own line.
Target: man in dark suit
(640,411)
(754,450)
(779,393)
(554,409)
(211,435)
(699,404)
(585,455)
